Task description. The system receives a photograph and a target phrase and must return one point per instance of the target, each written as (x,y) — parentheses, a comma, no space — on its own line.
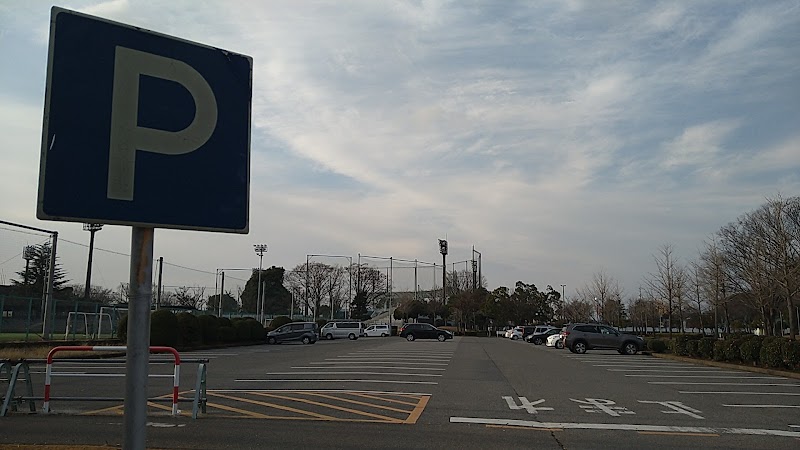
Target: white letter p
(127,136)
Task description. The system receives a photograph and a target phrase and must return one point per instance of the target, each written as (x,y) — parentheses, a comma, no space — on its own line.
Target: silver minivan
(334,330)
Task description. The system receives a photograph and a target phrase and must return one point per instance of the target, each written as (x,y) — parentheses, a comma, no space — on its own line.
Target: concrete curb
(705,362)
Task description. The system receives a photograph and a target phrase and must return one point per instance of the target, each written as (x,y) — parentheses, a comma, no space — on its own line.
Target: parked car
(540,335)
(502,331)
(334,330)
(305,332)
(412,331)
(580,337)
(521,331)
(555,340)
(508,332)
(381,330)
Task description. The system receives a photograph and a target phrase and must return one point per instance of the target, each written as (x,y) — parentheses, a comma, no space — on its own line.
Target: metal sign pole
(141,294)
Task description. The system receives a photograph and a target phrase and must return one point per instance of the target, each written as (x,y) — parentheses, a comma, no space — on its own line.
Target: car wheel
(383,334)
(559,344)
(306,340)
(630,348)
(271,340)
(329,337)
(537,341)
(410,337)
(352,337)
(579,347)
(441,338)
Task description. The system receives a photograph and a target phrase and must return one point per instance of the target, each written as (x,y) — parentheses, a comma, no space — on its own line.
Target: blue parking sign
(143,129)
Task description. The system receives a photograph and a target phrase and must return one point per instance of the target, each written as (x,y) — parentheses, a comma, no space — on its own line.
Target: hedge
(209,328)
(163,328)
(185,330)
(188,330)
(656,345)
(771,352)
(705,347)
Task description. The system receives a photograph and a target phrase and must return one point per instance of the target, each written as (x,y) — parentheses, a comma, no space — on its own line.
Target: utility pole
(160,270)
(443,251)
(260,249)
(92,228)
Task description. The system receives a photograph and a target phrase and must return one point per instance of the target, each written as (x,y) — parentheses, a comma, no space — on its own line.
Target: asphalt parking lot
(468,393)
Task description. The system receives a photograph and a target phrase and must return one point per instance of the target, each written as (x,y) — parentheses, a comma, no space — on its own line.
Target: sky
(560,139)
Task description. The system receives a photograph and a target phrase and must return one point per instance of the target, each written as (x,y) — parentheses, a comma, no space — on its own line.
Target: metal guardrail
(12,376)
(10,401)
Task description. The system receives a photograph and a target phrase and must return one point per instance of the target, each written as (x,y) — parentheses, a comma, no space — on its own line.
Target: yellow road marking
(515,427)
(355,402)
(249,414)
(412,418)
(117,409)
(360,394)
(273,405)
(311,402)
(675,433)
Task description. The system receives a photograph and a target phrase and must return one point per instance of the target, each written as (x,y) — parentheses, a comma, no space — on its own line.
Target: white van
(381,330)
(334,330)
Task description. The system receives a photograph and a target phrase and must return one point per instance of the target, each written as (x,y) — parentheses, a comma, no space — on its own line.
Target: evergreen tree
(33,280)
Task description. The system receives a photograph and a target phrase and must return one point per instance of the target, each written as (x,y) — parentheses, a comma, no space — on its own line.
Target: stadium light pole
(92,228)
(260,249)
(563,288)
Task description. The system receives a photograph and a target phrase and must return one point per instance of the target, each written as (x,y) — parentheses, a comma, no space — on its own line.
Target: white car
(381,330)
(555,340)
(509,332)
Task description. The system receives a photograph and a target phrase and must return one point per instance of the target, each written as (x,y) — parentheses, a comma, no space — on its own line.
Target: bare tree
(696,281)
(668,280)
(746,258)
(189,297)
(605,293)
(780,220)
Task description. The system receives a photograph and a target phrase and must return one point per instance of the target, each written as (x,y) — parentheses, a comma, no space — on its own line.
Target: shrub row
(771,351)
(185,330)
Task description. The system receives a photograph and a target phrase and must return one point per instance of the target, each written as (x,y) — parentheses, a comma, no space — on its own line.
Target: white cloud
(699,145)
(557,138)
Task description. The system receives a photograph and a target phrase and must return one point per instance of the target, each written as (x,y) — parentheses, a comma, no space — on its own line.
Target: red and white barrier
(110,348)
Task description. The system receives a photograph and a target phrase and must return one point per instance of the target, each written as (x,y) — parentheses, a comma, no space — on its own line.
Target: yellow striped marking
(412,418)
(273,405)
(355,402)
(390,400)
(338,408)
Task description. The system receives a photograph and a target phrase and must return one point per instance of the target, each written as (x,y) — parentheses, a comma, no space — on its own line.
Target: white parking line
(335,381)
(676,370)
(706,376)
(625,427)
(358,373)
(725,384)
(765,406)
(676,366)
(378,362)
(739,393)
(373,366)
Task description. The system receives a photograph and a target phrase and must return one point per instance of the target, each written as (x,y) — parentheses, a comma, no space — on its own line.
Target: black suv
(580,337)
(305,332)
(413,331)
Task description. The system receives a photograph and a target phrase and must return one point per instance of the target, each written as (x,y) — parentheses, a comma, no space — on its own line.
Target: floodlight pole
(48,295)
